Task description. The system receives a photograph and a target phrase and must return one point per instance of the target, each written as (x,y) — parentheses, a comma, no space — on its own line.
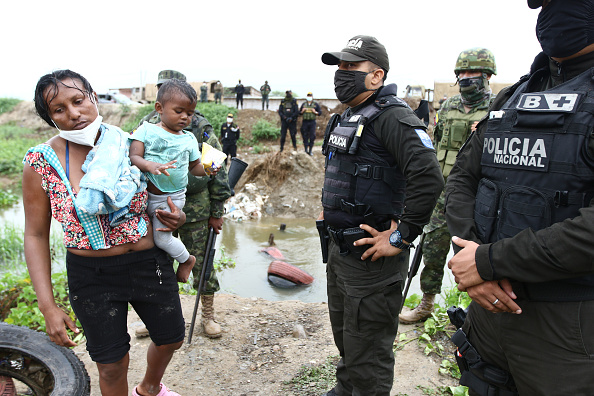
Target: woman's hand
(55,319)
(172,220)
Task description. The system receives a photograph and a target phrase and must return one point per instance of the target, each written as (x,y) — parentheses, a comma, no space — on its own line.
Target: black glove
(289,120)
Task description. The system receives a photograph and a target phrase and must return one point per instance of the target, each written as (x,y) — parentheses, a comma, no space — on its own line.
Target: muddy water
(299,243)
(242,242)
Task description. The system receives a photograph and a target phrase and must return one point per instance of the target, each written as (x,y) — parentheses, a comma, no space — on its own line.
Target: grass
(7,104)
(14,143)
(433,331)
(314,379)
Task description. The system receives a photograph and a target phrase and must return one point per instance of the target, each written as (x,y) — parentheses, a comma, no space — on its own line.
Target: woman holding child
(83,178)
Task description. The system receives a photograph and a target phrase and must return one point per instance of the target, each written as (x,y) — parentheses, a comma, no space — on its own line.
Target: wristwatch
(396,241)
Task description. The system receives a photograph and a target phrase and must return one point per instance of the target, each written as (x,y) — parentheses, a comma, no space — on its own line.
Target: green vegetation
(314,380)
(7,199)
(263,130)
(261,149)
(216,114)
(7,104)
(18,302)
(14,143)
(432,335)
(140,113)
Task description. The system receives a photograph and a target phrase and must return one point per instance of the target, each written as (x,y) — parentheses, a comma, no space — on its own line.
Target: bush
(14,143)
(216,114)
(7,104)
(141,112)
(263,130)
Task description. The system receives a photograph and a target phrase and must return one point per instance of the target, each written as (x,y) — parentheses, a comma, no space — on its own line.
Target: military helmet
(165,75)
(480,59)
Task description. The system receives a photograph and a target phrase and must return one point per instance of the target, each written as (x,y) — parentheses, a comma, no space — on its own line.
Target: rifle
(414,267)
(207,267)
(208,262)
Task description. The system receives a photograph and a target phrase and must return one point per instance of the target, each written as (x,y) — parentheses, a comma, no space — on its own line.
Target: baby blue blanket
(110,180)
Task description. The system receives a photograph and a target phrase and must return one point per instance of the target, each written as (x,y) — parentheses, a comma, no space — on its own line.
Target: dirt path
(257,353)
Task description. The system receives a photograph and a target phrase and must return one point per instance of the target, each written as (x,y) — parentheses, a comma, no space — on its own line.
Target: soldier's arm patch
(425,139)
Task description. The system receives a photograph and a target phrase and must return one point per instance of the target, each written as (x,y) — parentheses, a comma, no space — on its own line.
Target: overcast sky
(125,43)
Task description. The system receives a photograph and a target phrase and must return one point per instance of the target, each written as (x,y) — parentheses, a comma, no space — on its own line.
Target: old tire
(289,272)
(48,369)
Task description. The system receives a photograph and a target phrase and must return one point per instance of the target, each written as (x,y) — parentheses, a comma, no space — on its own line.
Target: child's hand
(212,170)
(156,169)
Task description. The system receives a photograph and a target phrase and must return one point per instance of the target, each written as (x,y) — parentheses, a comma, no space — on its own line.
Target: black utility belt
(559,291)
(344,238)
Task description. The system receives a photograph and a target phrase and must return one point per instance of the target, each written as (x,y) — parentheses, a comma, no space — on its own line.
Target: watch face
(395,237)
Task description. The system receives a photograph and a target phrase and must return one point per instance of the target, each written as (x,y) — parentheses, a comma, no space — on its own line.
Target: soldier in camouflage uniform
(454,122)
(204,93)
(205,197)
(265,91)
(218,92)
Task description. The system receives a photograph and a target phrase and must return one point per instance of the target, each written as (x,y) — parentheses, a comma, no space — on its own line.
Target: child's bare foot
(184,269)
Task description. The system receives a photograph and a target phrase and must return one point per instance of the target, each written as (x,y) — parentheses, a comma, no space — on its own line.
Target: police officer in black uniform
(381,183)
(229,137)
(520,201)
(288,111)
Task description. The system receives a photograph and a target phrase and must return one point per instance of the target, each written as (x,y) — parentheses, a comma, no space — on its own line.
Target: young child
(155,148)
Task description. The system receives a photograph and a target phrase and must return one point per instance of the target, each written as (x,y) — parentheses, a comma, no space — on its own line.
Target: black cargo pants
(364,300)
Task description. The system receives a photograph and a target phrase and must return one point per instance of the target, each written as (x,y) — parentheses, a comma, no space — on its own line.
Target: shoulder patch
(425,139)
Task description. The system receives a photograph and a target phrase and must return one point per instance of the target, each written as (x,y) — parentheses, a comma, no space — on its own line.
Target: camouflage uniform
(218,92)
(204,199)
(451,129)
(203,93)
(265,91)
(453,125)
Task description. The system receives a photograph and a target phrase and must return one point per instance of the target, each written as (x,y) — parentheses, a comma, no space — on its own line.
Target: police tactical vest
(358,180)
(456,128)
(536,167)
(309,115)
(288,107)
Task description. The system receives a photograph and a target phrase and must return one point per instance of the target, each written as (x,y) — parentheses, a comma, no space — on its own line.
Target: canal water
(243,242)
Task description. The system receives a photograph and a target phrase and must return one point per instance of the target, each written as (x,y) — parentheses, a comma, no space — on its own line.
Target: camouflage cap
(479,59)
(165,75)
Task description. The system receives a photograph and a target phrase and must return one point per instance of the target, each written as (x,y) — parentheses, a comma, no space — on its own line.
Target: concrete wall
(274,103)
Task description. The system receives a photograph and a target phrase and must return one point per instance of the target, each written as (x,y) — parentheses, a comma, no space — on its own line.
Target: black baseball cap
(534,3)
(358,49)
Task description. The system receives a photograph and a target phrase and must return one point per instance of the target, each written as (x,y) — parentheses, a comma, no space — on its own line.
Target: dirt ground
(258,352)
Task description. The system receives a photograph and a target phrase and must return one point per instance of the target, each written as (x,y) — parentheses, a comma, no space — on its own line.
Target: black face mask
(564,29)
(349,84)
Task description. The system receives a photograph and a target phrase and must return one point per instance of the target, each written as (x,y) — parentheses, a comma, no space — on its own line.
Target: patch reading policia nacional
(425,139)
(517,151)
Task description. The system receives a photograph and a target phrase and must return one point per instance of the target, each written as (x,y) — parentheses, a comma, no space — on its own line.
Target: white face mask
(85,136)
(309,98)
(229,120)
